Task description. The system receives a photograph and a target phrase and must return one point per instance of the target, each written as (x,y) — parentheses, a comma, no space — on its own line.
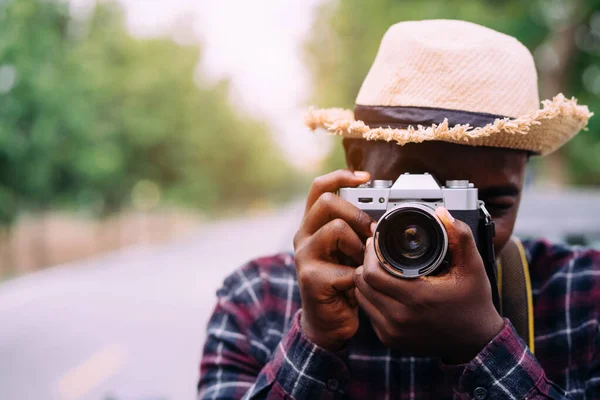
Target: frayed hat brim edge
(560,114)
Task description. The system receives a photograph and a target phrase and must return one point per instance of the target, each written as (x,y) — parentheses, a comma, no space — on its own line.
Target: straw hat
(457,82)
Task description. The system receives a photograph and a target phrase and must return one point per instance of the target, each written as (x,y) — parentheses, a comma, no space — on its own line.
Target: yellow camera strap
(514,288)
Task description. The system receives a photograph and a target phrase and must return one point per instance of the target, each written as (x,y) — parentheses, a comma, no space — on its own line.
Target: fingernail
(447,214)
(373,227)
(361,174)
(359,270)
(369,240)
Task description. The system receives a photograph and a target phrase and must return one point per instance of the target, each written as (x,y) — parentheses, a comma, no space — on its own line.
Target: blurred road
(128,326)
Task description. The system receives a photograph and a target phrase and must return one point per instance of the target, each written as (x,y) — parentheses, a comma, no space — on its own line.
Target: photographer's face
(499,174)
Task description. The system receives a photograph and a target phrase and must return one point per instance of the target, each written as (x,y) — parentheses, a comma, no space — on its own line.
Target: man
(458,101)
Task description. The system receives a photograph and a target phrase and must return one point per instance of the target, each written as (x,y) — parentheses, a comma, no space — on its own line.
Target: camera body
(410,240)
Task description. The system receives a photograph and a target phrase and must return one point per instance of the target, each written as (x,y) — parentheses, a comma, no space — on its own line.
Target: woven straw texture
(459,65)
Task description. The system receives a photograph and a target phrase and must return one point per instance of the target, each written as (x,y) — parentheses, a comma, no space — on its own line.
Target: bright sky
(257,44)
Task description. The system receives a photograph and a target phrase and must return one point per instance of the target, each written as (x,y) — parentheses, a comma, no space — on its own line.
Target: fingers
(384,311)
(372,311)
(322,279)
(323,207)
(375,275)
(402,290)
(376,297)
(329,207)
(340,277)
(351,297)
(335,236)
(332,182)
(461,244)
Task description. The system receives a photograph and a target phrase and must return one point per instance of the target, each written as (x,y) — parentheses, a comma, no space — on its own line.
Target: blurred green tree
(88,113)
(564,36)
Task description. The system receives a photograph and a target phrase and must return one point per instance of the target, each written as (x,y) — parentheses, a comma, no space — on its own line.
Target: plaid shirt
(256,349)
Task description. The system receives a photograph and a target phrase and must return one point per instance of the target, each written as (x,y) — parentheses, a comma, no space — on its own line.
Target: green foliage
(87,112)
(346,35)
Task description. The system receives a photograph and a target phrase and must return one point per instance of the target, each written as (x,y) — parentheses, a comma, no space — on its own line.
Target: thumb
(461,243)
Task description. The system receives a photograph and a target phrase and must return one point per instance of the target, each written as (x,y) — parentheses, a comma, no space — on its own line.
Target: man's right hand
(331,227)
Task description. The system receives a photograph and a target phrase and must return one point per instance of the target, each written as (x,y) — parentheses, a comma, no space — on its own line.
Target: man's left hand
(448,315)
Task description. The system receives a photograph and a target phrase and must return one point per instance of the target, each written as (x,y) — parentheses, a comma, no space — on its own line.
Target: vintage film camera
(410,240)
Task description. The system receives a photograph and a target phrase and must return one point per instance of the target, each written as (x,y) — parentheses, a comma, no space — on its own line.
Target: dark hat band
(403,117)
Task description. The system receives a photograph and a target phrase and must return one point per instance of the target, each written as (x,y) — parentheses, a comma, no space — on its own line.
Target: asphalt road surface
(129,326)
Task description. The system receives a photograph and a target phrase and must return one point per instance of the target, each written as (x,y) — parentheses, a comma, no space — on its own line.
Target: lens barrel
(410,241)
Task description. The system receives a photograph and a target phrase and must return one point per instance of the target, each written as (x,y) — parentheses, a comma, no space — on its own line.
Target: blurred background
(148,148)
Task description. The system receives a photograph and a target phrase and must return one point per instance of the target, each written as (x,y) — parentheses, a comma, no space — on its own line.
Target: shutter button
(480,393)
(333,384)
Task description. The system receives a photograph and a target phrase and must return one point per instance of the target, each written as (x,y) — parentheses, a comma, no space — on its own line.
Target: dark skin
(410,315)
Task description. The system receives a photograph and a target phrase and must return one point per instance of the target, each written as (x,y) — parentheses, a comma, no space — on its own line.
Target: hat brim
(541,131)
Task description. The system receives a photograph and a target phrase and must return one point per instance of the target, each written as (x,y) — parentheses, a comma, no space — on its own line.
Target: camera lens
(411,241)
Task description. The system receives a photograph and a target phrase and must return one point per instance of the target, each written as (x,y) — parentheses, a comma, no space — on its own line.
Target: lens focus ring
(410,240)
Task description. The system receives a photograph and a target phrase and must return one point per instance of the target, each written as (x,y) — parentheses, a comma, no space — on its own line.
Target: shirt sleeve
(506,369)
(239,361)
(300,369)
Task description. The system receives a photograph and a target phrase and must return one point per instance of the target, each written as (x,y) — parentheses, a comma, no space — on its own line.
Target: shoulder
(566,295)
(272,270)
(546,258)
(263,288)
(558,270)
(254,307)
